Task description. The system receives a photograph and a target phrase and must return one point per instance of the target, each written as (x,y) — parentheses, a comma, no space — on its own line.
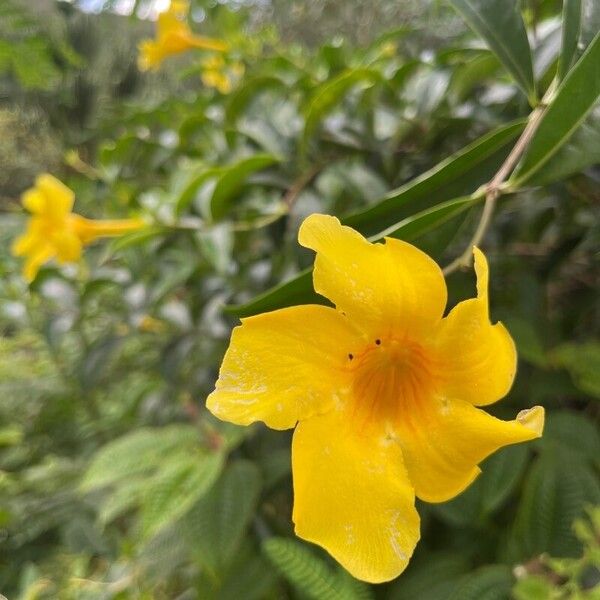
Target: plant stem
(496,186)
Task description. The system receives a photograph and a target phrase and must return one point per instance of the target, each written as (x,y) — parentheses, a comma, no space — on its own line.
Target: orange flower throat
(388,377)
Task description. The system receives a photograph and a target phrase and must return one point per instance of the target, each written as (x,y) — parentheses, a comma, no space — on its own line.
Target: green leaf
(216,524)
(458,175)
(583,363)
(329,94)
(557,489)
(135,453)
(571,432)
(309,574)
(232,180)
(571,24)
(574,100)
(176,488)
(579,153)
(431,576)
(242,96)
(500,24)
(416,225)
(492,582)
(533,587)
(297,290)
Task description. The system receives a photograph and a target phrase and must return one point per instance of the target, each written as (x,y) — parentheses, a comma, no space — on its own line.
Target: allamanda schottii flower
(382,390)
(173,36)
(53,231)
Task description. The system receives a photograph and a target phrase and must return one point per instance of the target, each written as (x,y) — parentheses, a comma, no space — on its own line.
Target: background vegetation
(114,480)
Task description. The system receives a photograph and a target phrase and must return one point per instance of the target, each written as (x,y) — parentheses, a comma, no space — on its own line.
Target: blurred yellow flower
(217,74)
(53,231)
(383,389)
(174,36)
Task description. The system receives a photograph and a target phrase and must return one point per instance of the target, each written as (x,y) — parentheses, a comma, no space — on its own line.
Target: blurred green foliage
(114,480)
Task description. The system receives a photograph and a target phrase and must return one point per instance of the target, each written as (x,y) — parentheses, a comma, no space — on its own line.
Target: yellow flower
(217,74)
(174,36)
(53,231)
(382,391)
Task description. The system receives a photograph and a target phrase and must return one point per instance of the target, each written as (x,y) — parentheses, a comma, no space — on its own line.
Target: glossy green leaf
(571,25)
(574,100)
(458,175)
(500,24)
(239,100)
(330,93)
(233,178)
(581,151)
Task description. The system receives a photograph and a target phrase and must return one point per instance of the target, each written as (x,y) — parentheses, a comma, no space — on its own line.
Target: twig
(294,191)
(496,185)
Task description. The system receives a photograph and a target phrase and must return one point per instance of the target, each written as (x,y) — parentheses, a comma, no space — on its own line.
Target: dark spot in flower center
(378,341)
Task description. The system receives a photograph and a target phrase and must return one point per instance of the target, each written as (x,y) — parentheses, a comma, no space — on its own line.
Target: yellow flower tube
(174,36)
(53,231)
(382,390)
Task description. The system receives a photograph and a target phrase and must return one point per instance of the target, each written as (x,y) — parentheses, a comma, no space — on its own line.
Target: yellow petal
(476,361)
(34,201)
(206,43)
(352,496)
(443,441)
(89,230)
(35,260)
(283,366)
(68,246)
(383,288)
(59,198)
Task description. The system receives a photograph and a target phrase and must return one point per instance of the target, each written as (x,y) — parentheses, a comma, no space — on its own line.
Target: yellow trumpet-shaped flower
(174,36)
(382,391)
(53,231)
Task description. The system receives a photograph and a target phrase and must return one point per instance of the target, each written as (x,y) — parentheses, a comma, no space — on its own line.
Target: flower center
(388,377)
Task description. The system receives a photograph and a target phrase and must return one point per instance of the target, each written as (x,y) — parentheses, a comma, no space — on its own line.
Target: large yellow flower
(174,36)
(383,390)
(53,231)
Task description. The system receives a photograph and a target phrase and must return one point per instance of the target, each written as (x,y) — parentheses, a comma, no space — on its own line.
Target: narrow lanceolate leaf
(233,178)
(579,153)
(299,290)
(500,24)
(458,175)
(571,24)
(574,100)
